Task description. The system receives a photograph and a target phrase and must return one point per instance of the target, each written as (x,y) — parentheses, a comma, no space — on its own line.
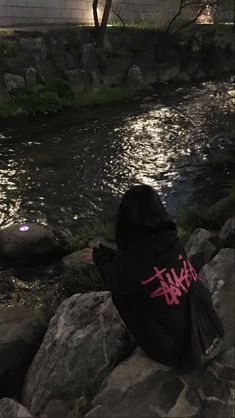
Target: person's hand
(86,256)
(95,243)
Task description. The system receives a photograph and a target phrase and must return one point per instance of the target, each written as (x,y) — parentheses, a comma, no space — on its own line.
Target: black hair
(140,211)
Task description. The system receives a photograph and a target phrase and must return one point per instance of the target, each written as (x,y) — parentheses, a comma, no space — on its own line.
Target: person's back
(151,278)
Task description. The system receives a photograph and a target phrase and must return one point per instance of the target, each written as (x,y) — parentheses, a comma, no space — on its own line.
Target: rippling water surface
(63,170)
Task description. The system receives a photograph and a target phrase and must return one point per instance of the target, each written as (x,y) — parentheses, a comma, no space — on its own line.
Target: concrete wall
(42,12)
(30,12)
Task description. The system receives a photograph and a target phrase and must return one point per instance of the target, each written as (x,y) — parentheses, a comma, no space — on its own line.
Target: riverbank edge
(49,72)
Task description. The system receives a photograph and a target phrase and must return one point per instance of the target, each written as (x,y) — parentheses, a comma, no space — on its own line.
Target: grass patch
(56,96)
(80,407)
(102,96)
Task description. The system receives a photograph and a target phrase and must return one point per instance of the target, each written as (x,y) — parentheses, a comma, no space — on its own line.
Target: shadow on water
(68,169)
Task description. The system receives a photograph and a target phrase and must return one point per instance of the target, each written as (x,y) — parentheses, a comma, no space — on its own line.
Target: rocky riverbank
(45,72)
(87,364)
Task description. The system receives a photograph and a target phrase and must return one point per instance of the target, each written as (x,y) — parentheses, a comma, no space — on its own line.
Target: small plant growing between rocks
(8,48)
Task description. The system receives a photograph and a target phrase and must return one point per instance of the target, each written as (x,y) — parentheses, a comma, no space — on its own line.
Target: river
(71,168)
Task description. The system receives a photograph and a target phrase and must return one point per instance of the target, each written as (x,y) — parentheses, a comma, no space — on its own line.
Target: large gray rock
(21,332)
(14,82)
(86,337)
(141,387)
(227,234)
(28,244)
(12,409)
(78,79)
(219,276)
(199,248)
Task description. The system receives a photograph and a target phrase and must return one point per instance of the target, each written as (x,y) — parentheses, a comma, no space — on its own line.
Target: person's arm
(116,270)
(104,259)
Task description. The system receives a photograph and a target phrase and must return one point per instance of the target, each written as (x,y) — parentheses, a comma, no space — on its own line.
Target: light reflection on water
(66,177)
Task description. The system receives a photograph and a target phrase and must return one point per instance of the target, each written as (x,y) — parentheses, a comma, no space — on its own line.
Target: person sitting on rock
(155,288)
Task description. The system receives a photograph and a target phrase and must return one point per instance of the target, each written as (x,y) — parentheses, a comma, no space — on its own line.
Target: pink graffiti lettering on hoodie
(173,285)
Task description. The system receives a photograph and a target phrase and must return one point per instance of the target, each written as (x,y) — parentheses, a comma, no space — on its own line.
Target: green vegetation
(198,216)
(80,408)
(91,231)
(38,102)
(56,96)
(8,48)
(86,278)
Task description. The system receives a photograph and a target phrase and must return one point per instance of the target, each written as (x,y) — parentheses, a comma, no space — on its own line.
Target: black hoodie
(150,282)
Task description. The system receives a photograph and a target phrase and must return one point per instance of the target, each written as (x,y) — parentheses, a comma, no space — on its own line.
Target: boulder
(78,79)
(183,76)
(117,65)
(141,387)
(227,234)
(112,81)
(28,244)
(135,78)
(199,248)
(4,96)
(31,77)
(150,77)
(85,339)
(21,332)
(167,72)
(12,409)
(218,276)
(36,46)
(14,82)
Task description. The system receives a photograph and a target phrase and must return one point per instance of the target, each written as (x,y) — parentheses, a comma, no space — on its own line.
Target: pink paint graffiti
(173,285)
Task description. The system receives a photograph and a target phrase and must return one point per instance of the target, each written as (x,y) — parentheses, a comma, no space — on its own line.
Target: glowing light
(24,228)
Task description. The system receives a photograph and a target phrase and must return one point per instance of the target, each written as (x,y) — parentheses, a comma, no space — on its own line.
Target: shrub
(38,101)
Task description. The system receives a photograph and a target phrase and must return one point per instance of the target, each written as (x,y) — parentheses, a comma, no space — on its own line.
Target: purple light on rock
(24,228)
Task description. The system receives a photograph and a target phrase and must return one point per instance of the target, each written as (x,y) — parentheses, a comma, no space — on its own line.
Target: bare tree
(198,5)
(100,27)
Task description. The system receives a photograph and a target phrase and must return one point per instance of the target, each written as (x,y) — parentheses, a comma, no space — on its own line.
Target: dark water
(66,169)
